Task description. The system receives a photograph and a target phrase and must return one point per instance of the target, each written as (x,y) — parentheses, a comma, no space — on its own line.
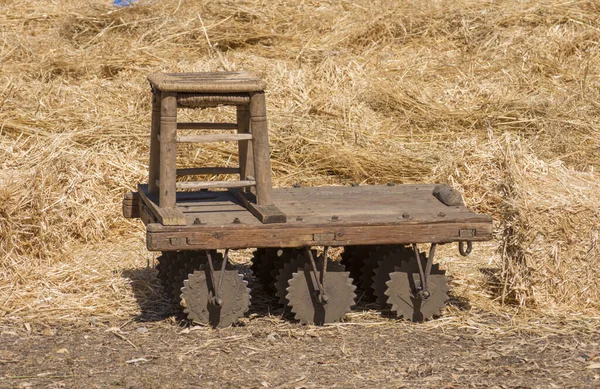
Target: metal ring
(461,248)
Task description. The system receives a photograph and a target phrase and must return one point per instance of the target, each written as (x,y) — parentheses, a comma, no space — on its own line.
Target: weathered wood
(286,235)
(207,126)
(207,170)
(166,216)
(146,215)
(131,205)
(266,214)
(168,150)
(260,148)
(244,147)
(207,138)
(154,144)
(365,205)
(214,184)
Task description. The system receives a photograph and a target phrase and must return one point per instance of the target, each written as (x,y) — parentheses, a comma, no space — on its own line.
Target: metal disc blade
(401,292)
(303,298)
(234,293)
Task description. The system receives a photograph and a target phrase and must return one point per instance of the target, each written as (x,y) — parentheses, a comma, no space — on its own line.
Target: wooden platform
(335,216)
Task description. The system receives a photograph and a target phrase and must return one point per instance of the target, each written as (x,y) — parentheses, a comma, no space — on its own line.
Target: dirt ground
(467,349)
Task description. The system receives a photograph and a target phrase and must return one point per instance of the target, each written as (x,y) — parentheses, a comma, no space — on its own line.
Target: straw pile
(548,223)
(359,91)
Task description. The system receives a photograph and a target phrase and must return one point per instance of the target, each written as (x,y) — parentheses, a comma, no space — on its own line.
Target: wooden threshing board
(335,216)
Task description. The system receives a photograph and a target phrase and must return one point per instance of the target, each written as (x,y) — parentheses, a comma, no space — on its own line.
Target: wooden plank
(213,138)
(283,235)
(260,148)
(245,155)
(207,126)
(166,216)
(214,184)
(168,150)
(362,205)
(207,170)
(266,214)
(131,205)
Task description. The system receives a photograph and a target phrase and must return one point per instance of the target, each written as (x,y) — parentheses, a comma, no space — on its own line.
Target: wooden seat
(200,90)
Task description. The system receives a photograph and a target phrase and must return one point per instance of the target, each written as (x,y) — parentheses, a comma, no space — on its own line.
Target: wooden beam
(207,126)
(266,214)
(246,157)
(213,138)
(166,216)
(214,184)
(131,207)
(240,236)
(207,170)
(260,148)
(168,150)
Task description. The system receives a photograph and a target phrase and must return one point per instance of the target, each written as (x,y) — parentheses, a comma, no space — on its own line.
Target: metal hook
(461,248)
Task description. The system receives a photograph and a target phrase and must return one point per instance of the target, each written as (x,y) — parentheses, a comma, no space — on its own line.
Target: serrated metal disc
(381,273)
(257,259)
(234,292)
(191,260)
(404,282)
(164,262)
(293,261)
(353,258)
(303,299)
(369,265)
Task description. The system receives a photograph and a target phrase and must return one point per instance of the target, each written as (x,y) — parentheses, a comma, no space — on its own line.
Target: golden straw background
(501,99)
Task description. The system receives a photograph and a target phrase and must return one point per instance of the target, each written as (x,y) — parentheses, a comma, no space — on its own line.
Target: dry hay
(548,222)
(359,91)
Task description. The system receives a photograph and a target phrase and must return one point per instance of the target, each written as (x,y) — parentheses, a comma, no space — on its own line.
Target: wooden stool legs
(253,155)
(260,148)
(168,150)
(154,144)
(245,147)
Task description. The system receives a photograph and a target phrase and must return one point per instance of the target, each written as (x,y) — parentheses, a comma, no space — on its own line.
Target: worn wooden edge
(206,126)
(165,216)
(216,82)
(283,235)
(266,214)
(131,205)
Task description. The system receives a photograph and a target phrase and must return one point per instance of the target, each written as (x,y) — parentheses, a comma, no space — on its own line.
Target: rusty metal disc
(262,262)
(196,292)
(283,258)
(352,259)
(257,261)
(164,262)
(369,264)
(404,284)
(303,297)
(387,265)
(290,262)
(191,260)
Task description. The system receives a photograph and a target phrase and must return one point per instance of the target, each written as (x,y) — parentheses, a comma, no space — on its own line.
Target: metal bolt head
(441,214)
(197,221)
(405,215)
(335,218)
(236,221)
(299,218)
(296,185)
